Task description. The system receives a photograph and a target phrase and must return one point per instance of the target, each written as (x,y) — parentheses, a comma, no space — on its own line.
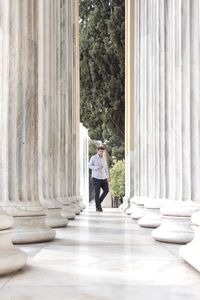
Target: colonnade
(39,123)
(163,51)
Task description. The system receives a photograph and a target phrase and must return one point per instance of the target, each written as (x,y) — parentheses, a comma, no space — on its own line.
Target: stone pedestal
(125,205)
(190,252)
(67,211)
(55,219)
(138,211)
(130,206)
(81,204)
(176,222)
(152,217)
(11,258)
(74,205)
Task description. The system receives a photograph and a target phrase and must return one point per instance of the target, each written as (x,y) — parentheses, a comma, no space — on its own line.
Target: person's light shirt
(99,167)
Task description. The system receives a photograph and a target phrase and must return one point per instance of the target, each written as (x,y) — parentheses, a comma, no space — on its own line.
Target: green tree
(102,66)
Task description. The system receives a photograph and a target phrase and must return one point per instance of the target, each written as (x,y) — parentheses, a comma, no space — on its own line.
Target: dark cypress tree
(102,65)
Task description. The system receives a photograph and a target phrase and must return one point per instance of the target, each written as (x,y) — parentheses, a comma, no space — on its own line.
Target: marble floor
(102,256)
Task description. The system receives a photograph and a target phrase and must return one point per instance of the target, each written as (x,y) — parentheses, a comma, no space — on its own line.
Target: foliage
(102,69)
(117,177)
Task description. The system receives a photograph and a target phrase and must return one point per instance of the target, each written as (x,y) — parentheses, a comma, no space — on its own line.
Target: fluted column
(190,252)
(182,51)
(141,102)
(63,87)
(48,113)
(73,151)
(84,171)
(65,94)
(77,106)
(130,99)
(19,141)
(152,202)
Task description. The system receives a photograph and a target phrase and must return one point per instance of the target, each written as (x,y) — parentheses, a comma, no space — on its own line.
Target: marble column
(74,154)
(182,26)
(153,203)
(84,170)
(80,200)
(67,41)
(190,252)
(64,49)
(129,89)
(139,133)
(19,119)
(48,113)
(167,119)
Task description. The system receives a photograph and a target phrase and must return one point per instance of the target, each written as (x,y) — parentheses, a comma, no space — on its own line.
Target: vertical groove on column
(150,107)
(167,98)
(162,99)
(137,101)
(194,98)
(157,100)
(143,100)
(172,99)
(185,86)
(178,102)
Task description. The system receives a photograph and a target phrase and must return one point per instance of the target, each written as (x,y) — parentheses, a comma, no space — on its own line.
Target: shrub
(117,178)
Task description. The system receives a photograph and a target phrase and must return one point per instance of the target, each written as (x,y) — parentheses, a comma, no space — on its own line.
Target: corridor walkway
(102,257)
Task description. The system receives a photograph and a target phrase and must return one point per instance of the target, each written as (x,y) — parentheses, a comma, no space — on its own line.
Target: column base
(11,258)
(138,211)
(31,229)
(81,204)
(152,217)
(176,230)
(74,206)
(131,206)
(67,212)
(125,205)
(190,252)
(176,223)
(54,218)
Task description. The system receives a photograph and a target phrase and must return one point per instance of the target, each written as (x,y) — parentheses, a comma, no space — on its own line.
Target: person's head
(100,151)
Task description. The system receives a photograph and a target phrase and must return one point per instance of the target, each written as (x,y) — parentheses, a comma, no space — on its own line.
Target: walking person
(100,176)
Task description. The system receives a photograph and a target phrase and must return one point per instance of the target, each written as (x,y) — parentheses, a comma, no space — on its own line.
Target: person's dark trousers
(98,184)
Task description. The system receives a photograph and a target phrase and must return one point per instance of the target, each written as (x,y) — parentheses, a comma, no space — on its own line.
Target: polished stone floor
(102,257)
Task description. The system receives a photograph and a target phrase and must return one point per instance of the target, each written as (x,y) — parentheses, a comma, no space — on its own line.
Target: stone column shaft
(19,146)
(48,113)
(152,202)
(130,95)
(190,252)
(11,258)
(168,116)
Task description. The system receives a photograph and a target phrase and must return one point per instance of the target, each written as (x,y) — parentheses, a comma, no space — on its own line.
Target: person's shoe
(99,209)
